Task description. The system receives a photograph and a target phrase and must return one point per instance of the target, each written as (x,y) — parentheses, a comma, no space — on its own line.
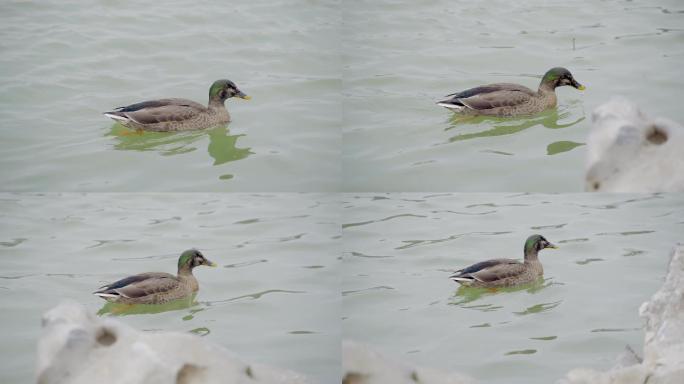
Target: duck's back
(148,288)
(491,88)
(500,99)
(502,273)
(169,115)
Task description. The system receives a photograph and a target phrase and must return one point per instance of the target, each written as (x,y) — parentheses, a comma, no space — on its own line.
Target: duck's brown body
(505,273)
(149,288)
(497,273)
(170,115)
(156,287)
(506,99)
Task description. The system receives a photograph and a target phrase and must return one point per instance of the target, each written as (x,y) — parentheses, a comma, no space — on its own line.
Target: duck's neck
(185,272)
(217,104)
(187,278)
(531,255)
(547,87)
(547,92)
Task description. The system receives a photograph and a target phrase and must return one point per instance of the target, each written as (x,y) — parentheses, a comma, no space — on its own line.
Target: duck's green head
(558,77)
(225,89)
(193,258)
(536,243)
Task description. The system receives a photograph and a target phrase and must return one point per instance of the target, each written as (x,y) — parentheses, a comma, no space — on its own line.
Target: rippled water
(274,299)
(63,63)
(383,63)
(343,99)
(399,250)
(400,57)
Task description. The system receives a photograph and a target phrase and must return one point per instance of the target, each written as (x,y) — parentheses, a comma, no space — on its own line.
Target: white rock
(663,360)
(362,365)
(629,152)
(79,348)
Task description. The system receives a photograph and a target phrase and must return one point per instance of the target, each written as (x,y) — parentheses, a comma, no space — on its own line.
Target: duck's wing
(158,111)
(499,271)
(487,271)
(489,97)
(139,285)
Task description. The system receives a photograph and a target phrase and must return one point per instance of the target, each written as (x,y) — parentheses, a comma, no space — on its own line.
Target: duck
(169,115)
(510,100)
(157,287)
(497,273)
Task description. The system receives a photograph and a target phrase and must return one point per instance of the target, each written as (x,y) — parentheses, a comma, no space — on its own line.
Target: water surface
(399,250)
(273,300)
(400,57)
(63,63)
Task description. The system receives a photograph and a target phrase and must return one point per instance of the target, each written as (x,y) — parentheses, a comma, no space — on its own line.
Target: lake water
(402,56)
(319,70)
(343,99)
(399,250)
(63,63)
(274,298)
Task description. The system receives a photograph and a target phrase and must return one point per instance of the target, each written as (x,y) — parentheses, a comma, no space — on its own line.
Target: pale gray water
(274,300)
(402,56)
(63,63)
(319,70)
(399,250)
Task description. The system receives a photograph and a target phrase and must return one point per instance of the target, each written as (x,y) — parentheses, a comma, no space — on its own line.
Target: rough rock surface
(78,347)
(663,356)
(365,366)
(629,152)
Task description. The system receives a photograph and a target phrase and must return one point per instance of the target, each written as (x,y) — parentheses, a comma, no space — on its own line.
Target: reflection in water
(14,242)
(118,309)
(252,296)
(377,288)
(201,331)
(465,295)
(167,143)
(222,146)
(521,352)
(544,338)
(538,308)
(191,315)
(561,146)
(416,243)
(347,225)
(589,260)
(508,126)
(483,325)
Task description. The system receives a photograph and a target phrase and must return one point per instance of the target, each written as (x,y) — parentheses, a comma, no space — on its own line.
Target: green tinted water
(64,63)
(400,248)
(401,57)
(277,256)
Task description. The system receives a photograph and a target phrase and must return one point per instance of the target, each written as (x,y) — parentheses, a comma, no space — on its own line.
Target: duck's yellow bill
(246,97)
(582,88)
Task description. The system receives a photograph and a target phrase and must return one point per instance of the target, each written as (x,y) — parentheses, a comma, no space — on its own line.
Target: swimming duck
(157,287)
(507,100)
(497,273)
(165,115)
